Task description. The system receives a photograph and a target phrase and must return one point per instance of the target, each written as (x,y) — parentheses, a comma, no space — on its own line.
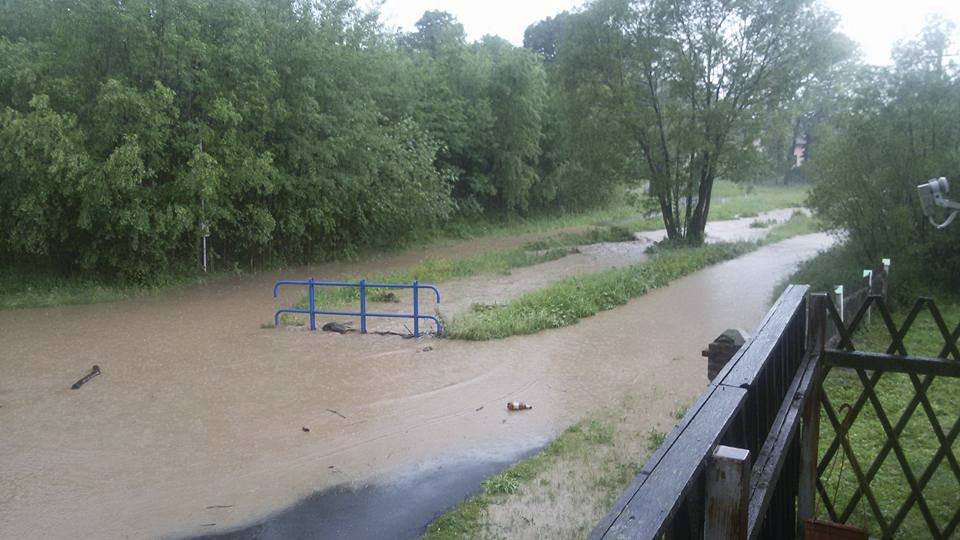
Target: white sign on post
(839,292)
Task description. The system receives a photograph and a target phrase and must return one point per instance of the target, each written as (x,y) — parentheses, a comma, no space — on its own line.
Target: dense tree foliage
(895,128)
(296,129)
(291,129)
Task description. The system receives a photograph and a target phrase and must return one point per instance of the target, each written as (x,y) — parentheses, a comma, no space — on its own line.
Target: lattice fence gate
(857,454)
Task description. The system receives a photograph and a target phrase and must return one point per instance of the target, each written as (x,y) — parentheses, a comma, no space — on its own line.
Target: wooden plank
(645,512)
(728,494)
(655,495)
(763,324)
(745,366)
(810,435)
(890,363)
(772,456)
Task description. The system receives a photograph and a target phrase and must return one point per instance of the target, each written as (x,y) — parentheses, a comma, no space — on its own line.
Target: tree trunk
(669,218)
(698,221)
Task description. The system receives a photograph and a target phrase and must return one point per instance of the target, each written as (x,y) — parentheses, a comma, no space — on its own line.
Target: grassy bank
(562,491)
(866,435)
(569,300)
(732,201)
(844,264)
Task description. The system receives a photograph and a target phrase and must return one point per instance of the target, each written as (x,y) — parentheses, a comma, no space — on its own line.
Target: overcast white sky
(875,24)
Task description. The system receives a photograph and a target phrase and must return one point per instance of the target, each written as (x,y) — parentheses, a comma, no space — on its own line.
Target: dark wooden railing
(747,420)
(746,461)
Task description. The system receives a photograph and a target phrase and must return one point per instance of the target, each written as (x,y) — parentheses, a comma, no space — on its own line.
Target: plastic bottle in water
(518,406)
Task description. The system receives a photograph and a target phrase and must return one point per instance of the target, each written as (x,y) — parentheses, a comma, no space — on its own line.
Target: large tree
(898,127)
(698,79)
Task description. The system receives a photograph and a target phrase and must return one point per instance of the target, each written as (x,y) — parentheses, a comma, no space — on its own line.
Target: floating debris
(93,373)
(518,406)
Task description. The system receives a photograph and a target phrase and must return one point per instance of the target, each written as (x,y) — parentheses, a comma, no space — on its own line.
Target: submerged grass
(438,271)
(611,233)
(22,289)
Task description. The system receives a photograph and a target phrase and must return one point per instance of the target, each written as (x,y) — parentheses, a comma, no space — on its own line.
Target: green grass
(569,300)
(839,265)
(655,438)
(732,201)
(798,224)
(842,265)
(512,226)
(579,442)
(21,290)
(866,434)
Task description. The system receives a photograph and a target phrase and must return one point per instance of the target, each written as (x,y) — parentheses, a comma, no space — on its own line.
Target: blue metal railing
(312,311)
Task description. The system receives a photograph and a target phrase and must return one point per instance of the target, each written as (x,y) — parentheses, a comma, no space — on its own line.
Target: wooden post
(728,494)
(810,434)
(886,277)
(721,350)
(868,283)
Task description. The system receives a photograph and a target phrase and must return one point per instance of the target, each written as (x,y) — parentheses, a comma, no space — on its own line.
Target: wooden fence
(747,408)
(745,460)
(937,518)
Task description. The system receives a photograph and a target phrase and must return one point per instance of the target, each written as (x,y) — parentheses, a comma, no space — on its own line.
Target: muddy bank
(198,406)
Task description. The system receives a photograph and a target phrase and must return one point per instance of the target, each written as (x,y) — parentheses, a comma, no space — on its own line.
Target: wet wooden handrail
(753,404)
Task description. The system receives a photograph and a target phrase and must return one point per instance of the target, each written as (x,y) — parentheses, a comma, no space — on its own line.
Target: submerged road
(196,424)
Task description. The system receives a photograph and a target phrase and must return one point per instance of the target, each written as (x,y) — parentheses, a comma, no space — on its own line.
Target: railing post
(363,306)
(416,308)
(810,434)
(727,509)
(313,305)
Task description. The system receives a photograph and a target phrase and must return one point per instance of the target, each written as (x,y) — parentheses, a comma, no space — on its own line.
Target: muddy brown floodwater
(459,295)
(198,415)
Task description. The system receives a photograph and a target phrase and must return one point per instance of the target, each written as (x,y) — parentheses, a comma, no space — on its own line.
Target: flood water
(199,414)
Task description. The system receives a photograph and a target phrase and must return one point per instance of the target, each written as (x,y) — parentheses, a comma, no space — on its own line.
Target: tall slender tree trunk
(696,228)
